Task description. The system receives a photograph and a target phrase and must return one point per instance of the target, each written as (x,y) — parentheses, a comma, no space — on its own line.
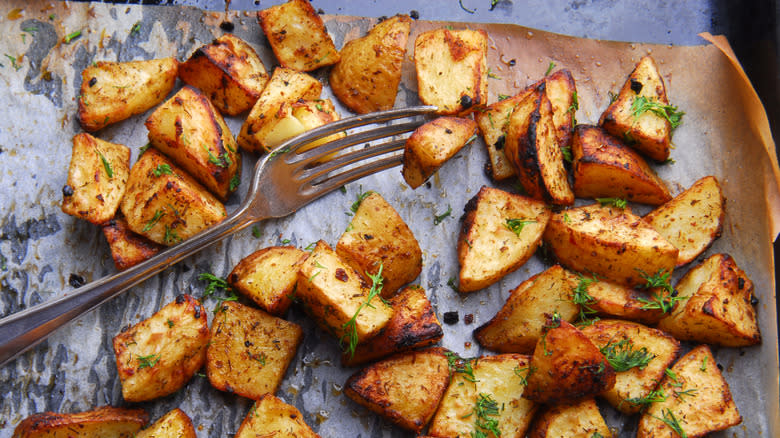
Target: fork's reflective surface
(283,181)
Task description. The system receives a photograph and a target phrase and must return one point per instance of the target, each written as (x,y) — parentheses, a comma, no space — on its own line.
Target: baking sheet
(724,133)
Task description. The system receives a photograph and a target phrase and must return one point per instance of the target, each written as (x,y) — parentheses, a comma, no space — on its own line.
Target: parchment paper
(724,133)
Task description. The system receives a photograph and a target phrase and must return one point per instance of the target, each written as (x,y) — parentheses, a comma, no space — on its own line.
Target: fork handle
(22,330)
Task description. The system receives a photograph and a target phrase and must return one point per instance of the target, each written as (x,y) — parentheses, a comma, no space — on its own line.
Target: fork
(284,181)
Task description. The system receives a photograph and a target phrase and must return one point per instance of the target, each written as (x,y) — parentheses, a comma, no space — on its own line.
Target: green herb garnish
(614,202)
(106,164)
(162,169)
(581,297)
(360,197)
(451,283)
(686,393)
(651,397)
(549,68)
(622,355)
(439,218)
(13,62)
(256,232)
(523,373)
(147,361)
(672,422)
(641,104)
(492,75)
(136,29)
(214,283)
(460,365)
(350,327)
(71,36)
(516,225)
(566,152)
(575,105)
(156,218)
(485,410)
(470,11)
(223,160)
(503,97)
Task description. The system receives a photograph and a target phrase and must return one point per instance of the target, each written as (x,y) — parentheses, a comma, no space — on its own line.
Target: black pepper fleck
(92,82)
(468,319)
(451,318)
(753,300)
(76,280)
(227,26)
(636,86)
(414,14)
(67,190)
(740,283)
(465,101)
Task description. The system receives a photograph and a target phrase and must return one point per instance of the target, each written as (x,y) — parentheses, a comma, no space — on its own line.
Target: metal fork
(284,181)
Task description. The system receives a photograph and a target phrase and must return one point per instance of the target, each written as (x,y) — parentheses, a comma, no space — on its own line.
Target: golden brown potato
(297,36)
(517,327)
(451,68)
(127,248)
(268,277)
(432,144)
(188,129)
(174,424)
(160,354)
(500,232)
(562,92)
(610,242)
(613,299)
(533,149)
(250,350)
(605,167)
(167,207)
(414,325)
(367,77)
(405,388)
(103,422)
(377,237)
(313,114)
(493,122)
(698,400)
(114,91)
(566,366)
(493,385)
(270,116)
(271,417)
(339,299)
(228,71)
(716,305)
(578,420)
(624,344)
(692,220)
(626,117)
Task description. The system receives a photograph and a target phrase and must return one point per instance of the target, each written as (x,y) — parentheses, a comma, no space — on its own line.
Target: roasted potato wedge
(174,424)
(500,232)
(611,242)
(164,204)
(271,417)
(313,114)
(451,68)
(533,149)
(566,366)
(716,305)
(562,93)
(103,422)
(517,327)
(367,77)
(623,302)
(639,355)
(97,179)
(127,248)
(115,91)
(414,325)
(692,220)
(432,144)
(335,295)
(250,350)
(405,388)
(298,36)
(578,420)
(270,120)
(494,386)
(228,71)
(378,238)
(493,122)
(698,400)
(268,277)
(644,130)
(160,354)
(604,167)
(188,129)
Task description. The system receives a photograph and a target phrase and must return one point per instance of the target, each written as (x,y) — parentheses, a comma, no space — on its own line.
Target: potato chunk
(716,305)
(114,91)
(297,36)
(367,77)
(698,400)
(451,68)
(271,417)
(692,220)
(605,167)
(414,325)
(250,350)
(623,302)
(103,422)
(405,389)
(188,129)
(268,277)
(128,248)
(578,420)
(164,204)
(562,93)
(610,242)
(646,131)
(432,144)
(624,344)
(174,424)
(160,354)
(500,232)
(517,327)
(97,179)
(228,71)
(378,237)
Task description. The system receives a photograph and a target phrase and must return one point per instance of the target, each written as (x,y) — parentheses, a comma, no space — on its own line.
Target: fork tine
(318,170)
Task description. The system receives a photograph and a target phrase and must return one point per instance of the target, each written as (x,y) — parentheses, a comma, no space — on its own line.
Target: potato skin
(174,424)
(128,248)
(623,302)
(271,417)
(268,277)
(367,77)
(105,421)
(577,420)
(561,89)
(432,144)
